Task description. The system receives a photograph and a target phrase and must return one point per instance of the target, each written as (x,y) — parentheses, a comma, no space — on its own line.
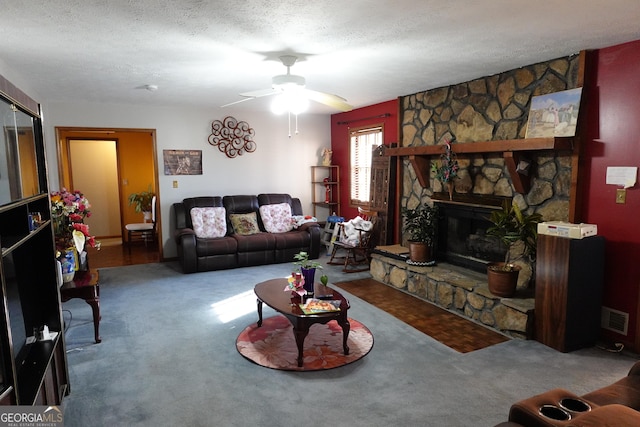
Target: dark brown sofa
(617,405)
(234,250)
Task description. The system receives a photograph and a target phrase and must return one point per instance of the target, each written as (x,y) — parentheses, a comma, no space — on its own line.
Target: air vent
(614,320)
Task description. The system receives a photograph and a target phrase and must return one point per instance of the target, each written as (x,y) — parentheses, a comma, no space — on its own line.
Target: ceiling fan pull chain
(289,113)
(296,124)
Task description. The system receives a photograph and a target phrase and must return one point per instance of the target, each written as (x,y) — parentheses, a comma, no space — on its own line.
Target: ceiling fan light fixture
(285,84)
(290,102)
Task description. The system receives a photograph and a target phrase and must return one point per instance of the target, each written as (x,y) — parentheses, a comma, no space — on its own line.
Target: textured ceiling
(205,53)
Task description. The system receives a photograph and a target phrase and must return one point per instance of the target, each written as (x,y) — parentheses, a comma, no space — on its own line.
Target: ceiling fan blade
(260,93)
(236,102)
(334,101)
(254,94)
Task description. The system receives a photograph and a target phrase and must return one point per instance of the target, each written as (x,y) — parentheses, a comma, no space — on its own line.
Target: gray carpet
(168,358)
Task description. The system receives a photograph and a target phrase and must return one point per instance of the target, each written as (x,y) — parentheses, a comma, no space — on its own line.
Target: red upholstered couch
(616,405)
(234,250)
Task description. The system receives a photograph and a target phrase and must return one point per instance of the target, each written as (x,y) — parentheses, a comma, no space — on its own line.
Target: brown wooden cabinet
(569,278)
(32,371)
(382,200)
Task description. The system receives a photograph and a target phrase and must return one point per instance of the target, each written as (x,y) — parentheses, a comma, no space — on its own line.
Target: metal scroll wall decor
(232,137)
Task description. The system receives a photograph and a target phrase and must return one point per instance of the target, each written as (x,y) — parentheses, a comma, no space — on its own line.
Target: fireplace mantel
(472,200)
(511,150)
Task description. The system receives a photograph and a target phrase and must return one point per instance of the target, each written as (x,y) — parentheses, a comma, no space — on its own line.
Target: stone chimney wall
(486,109)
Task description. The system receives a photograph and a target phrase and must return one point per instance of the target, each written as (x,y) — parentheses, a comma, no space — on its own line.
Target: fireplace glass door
(462,238)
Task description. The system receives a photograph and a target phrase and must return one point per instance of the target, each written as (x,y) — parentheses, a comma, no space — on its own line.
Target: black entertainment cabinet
(33,371)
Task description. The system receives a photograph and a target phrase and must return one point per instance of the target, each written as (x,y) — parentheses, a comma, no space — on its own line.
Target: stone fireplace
(488,118)
(492,108)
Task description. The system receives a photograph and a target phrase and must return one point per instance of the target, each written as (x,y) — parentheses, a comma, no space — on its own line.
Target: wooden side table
(85,286)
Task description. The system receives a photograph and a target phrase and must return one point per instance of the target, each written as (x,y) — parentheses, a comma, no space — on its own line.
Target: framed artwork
(554,114)
(182,162)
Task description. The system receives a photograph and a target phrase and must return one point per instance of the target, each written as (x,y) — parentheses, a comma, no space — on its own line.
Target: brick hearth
(461,291)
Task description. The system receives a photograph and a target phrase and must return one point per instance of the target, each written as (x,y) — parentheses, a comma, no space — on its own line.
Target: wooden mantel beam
(511,150)
(528,144)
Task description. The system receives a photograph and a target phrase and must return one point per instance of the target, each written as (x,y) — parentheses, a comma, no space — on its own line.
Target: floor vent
(614,320)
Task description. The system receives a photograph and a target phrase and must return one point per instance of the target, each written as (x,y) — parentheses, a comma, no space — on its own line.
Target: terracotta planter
(502,283)
(419,252)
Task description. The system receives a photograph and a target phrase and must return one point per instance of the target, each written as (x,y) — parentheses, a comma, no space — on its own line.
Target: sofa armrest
(179,233)
(307,225)
(607,416)
(180,215)
(186,245)
(314,247)
(635,369)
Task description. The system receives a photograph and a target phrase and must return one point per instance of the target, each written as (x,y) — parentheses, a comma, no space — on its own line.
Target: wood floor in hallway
(113,253)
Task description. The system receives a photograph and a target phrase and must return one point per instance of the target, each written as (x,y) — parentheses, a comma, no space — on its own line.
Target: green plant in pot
(308,269)
(142,201)
(511,226)
(422,224)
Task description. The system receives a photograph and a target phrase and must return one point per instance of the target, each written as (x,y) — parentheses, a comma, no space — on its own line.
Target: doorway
(99,181)
(108,165)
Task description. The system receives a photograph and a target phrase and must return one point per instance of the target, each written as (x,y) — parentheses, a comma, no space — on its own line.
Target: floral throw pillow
(245,224)
(209,222)
(277,217)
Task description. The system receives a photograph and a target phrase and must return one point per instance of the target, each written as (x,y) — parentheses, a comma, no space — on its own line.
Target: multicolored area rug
(273,345)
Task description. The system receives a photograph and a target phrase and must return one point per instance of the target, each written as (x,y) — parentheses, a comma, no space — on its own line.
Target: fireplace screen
(462,238)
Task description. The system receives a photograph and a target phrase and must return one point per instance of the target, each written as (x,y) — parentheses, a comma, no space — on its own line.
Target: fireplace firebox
(462,238)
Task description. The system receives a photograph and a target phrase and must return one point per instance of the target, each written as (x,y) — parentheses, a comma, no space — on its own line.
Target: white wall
(280,164)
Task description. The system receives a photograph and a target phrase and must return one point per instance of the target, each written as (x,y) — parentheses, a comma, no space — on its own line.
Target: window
(362,141)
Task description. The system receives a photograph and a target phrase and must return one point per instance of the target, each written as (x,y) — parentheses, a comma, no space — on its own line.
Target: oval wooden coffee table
(273,294)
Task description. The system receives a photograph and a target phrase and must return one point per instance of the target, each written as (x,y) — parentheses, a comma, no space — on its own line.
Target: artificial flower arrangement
(295,283)
(68,211)
(448,168)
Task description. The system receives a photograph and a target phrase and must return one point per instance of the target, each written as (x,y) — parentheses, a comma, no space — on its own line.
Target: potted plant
(308,269)
(421,224)
(511,226)
(142,201)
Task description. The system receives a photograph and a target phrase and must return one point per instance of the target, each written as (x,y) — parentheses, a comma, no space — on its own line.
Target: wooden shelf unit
(512,151)
(318,189)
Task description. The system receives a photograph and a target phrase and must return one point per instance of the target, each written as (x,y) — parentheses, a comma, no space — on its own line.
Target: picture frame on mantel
(554,114)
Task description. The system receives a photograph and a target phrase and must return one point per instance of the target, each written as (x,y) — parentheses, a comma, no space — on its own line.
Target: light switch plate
(175,184)
(621,195)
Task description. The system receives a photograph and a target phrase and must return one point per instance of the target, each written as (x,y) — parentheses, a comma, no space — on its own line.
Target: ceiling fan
(292,92)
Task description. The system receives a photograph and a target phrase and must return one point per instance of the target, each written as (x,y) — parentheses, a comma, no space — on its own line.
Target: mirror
(18,161)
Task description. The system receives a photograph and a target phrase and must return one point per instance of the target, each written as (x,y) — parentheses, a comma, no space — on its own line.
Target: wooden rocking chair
(357,256)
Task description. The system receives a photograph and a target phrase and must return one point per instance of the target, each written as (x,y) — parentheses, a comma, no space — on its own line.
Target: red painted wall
(340,125)
(613,139)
